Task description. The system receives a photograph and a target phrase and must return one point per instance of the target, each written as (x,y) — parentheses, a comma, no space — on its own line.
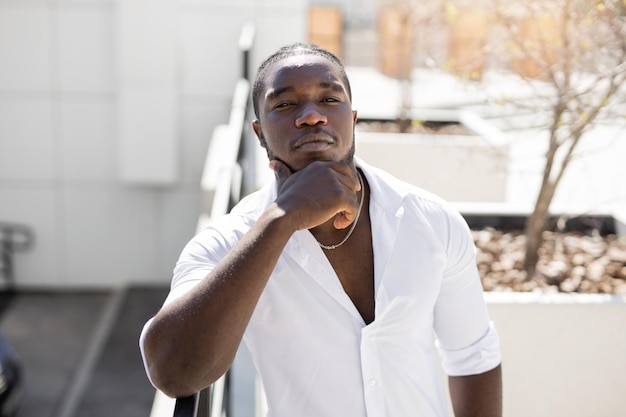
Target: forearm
(477,395)
(192,341)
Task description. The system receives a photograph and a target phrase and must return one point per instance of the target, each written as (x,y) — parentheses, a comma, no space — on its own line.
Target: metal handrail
(223,186)
(213,401)
(222,183)
(14,237)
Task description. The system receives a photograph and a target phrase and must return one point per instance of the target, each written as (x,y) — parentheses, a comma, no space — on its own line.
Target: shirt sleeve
(202,254)
(466,337)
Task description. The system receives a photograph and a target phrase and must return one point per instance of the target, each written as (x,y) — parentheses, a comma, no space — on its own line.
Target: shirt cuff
(482,356)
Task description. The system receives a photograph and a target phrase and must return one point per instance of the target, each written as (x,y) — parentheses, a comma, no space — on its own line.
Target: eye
(330,100)
(283,105)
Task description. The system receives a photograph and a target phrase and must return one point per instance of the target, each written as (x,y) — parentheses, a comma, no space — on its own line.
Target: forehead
(303,71)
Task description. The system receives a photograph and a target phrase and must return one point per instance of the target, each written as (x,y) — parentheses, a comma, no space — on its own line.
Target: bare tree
(578,47)
(575,48)
(396,47)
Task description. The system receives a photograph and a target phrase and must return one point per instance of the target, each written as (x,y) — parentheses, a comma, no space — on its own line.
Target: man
(336,275)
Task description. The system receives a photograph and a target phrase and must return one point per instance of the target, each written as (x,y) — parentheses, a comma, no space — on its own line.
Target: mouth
(314,141)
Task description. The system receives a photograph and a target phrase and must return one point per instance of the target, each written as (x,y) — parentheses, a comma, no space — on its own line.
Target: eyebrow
(334,86)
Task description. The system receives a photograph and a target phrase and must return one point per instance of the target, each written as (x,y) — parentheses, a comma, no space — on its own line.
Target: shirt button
(372,382)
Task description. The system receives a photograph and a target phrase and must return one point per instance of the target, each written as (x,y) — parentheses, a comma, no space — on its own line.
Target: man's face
(305,113)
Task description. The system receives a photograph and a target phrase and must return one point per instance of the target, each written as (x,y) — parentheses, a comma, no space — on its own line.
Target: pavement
(79,350)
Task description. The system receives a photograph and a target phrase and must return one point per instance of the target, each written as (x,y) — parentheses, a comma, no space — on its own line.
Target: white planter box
(564,355)
(457,168)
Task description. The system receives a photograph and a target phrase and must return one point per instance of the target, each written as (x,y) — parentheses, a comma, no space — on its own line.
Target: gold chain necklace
(356,219)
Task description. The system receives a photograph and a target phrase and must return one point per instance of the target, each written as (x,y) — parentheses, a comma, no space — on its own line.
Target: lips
(314,139)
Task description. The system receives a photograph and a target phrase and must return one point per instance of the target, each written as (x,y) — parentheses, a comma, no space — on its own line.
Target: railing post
(246,41)
(204,405)
(187,406)
(248,145)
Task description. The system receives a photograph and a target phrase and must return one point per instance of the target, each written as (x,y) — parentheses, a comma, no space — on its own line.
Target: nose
(311,116)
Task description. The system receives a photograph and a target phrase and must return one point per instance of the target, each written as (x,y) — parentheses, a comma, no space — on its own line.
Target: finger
(344,219)
(347,175)
(350,214)
(350,178)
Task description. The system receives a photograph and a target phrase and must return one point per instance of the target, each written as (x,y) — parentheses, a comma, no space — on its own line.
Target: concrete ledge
(513,216)
(556,298)
(619,216)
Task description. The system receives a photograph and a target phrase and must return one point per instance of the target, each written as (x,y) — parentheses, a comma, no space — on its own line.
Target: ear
(354,116)
(256,126)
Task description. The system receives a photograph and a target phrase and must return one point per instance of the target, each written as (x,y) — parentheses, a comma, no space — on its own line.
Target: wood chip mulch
(570,262)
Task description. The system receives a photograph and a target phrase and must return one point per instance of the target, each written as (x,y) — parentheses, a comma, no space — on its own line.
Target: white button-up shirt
(315,354)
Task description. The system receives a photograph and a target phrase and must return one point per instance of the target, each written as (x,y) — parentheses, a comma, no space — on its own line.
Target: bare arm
(477,395)
(192,341)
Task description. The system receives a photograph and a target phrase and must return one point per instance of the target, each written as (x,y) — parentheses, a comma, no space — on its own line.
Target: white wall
(65,77)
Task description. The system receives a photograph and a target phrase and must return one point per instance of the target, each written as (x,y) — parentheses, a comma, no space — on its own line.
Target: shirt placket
(373,388)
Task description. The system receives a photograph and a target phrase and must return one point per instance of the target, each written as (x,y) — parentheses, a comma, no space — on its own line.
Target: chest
(386,266)
(353,264)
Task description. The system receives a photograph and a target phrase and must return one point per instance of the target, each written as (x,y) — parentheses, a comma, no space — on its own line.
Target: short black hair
(289,51)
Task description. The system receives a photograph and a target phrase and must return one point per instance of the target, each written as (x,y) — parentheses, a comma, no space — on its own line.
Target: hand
(317,193)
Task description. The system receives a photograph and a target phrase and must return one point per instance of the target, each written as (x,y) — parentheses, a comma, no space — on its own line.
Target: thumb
(281,170)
